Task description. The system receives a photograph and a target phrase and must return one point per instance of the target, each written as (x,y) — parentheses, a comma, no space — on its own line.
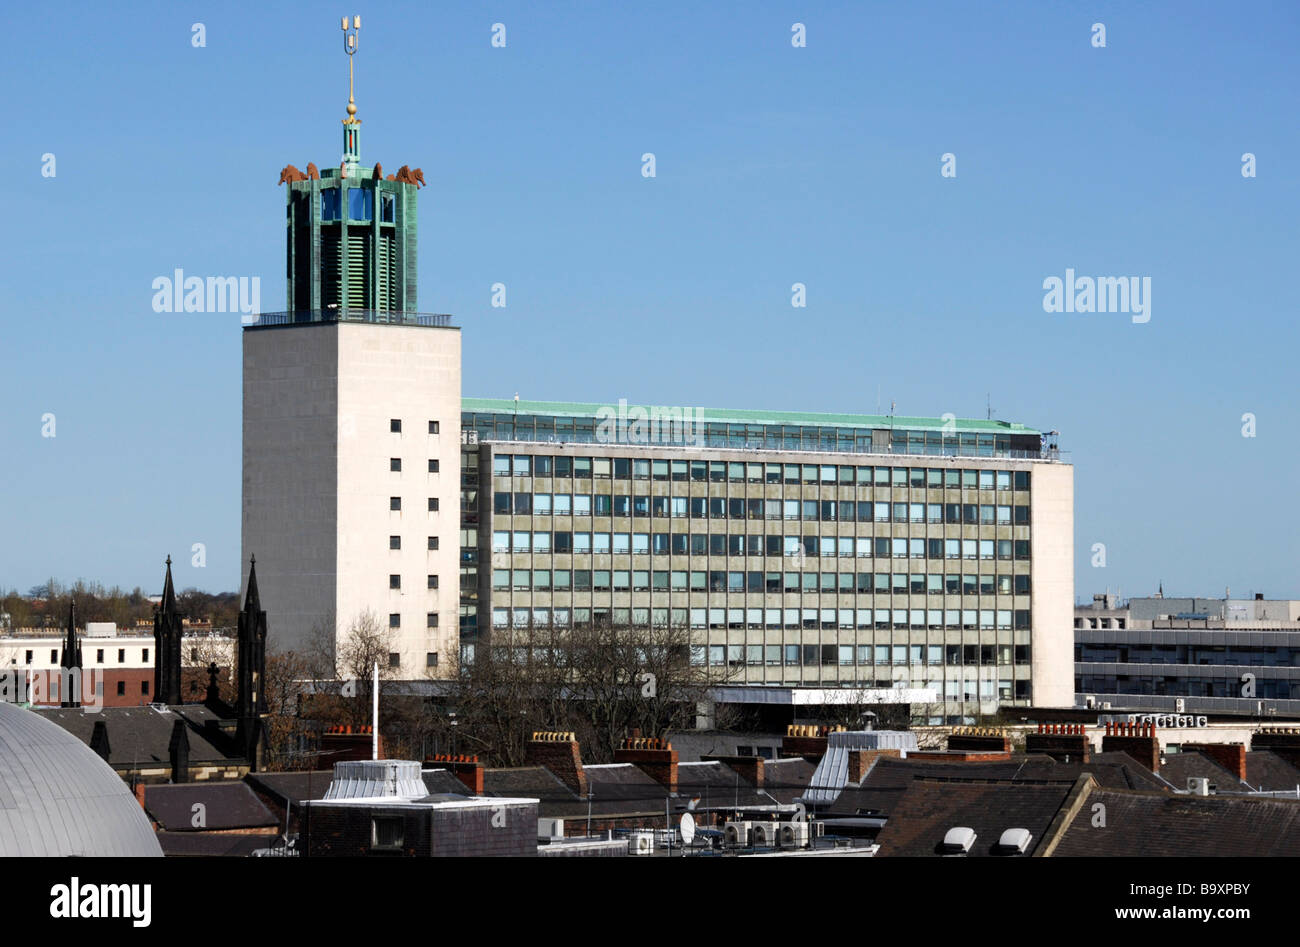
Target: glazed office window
(900,512)
(969,479)
(501,503)
(522,465)
(361,203)
(542,543)
(388,211)
(1021,479)
(1021,547)
(600,543)
(500,541)
(330,204)
(1022,516)
(1004,479)
(521,541)
(622,544)
(501,465)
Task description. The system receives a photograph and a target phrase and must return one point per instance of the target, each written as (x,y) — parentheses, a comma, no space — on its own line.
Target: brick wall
(1137,740)
(860,761)
(1231,756)
(560,756)
(1061,741)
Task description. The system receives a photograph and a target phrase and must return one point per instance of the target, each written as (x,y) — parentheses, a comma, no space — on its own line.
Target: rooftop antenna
(988,405)
(350,47)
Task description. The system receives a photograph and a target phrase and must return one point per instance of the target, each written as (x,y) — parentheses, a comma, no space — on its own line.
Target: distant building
(1189,655)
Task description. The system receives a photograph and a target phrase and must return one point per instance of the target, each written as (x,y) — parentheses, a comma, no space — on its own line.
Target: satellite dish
(688,828)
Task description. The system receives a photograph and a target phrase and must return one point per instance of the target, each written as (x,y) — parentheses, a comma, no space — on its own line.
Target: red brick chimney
(342,744)
(1138,740)
(1284,741)
(860,761)
(1061,741)
(982,739)
(465,768)
(1231,756)
(656,758)
(558,752)
(750,768)
(806,740)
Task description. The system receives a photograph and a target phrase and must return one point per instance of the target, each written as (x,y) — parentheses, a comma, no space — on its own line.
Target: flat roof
(750,416)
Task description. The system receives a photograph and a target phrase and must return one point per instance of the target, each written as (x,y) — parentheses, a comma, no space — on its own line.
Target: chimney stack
(656,758)
(1231,756)
(980,739)
(465,768)
(807,740)
(749,768)
(1061,741)
(1284,741)
(558,752)
(1138,740)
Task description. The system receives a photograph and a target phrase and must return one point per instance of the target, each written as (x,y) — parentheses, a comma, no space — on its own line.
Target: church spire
(250,699)
(71,660)
(167,645)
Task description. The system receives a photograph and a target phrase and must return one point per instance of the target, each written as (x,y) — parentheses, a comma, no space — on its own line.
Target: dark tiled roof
(1165,825)
(294,787)
(626,784)
(1267,771)
(787,779)
(443,781)
(214,844)
(228,805)
(889,777)
(140,736)
(929,808)
(717,784)
(1180,767)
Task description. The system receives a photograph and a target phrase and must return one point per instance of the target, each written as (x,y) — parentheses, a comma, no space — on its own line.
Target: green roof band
(747,416)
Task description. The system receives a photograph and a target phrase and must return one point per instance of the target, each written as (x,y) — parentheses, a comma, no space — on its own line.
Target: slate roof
(226,805)
(930,807)
(441,781)
(140,736)
(718,786)
(1267,771)
(58,798)
(1165,825)
(214,844)
(555,800)
(284,788)
(787,779)
(1180,767)
(890,777)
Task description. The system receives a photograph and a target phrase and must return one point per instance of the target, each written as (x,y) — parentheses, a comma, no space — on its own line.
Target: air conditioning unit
(642,842)
(1180,706)
(764,834)
(1198,786)
(794,834)
(550,828)
(1106,706)
(736,834)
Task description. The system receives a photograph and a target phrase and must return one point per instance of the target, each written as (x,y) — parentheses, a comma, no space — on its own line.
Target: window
(433,427)
(433,582)
(394,581)
(431,659)
(395,464)
(394,542)
(395,426)
(99,656)
(330,202)
(394,621)
(433,542)
(395,504)
(361,203)
(433,504)
(144,688)
(394,659)
(121,688)
(431,620)
(386,832)
(121,655)
(433,465)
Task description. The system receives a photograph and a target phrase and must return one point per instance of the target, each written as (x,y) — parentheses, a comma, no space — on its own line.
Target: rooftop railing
(727,442)
(375,316)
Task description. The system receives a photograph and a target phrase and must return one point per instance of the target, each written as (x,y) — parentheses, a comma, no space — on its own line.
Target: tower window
(395,425)
(387,208)
(431,659)
(99,655)
(394,542)
(144,655)
(121,655)
(394,581)
(361,203)
(433,619)
(433,466)
(395,504)
(433,542)
(395,464)
(433,582)
(394,620)
(121,688)
(54,655)
(433,427)
(329,204)
(394,659)
(433,504)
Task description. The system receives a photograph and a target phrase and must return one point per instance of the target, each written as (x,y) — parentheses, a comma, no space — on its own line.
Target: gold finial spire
(350,47)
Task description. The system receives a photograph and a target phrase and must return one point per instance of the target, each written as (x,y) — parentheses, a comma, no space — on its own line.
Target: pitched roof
(285,788)
(1166,825)
(1269,772)
(215,844)
(787,779)
(140,736)
(930,807)
(441,781)
(1178,768)
(226,805)
(890,777)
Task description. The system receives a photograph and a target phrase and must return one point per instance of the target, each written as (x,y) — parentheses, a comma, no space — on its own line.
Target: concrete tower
(351,492)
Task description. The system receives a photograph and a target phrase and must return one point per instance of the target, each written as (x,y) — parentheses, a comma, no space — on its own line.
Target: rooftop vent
(364,779)
(958,840)
(1014,842)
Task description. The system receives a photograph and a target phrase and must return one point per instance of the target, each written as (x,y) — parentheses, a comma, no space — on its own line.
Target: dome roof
(57,797)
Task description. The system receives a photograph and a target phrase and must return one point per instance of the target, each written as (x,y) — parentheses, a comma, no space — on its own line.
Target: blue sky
(774,165)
